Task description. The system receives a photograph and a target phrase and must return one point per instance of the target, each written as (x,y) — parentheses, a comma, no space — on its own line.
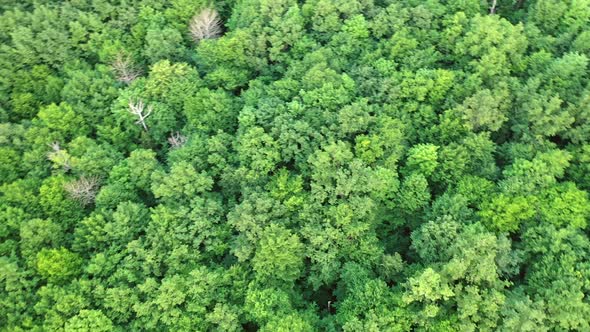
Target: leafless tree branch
(205,25)
(137,109)
(59,156)
(55,146)
(493,7)
(124,68)
(177,140)
(83,190)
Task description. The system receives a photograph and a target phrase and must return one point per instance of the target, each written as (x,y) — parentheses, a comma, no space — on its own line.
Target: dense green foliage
(311,165)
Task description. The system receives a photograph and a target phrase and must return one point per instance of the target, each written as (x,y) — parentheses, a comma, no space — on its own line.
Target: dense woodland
(294,165)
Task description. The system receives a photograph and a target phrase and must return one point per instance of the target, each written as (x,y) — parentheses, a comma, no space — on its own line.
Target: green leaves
(211,110)
(432,239)
(63,120)
(182,183)
(279,255)
(58,265)
(89,320)
(493,46)
(428,288)
(163,44)
(258,153)
(414,193)
(336,165)
(486,110)
(423,158)
(505,214)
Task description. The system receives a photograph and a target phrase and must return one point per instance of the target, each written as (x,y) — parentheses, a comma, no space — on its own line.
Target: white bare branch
(493,7)
(138,109)
(59,157)
(55,146)
(124,68)
(177,140)
(83,190)
(205,25)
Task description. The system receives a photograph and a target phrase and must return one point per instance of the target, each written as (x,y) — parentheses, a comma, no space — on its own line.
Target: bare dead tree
(83,190)
(137,109)
(55,146)
(124,68)
(176,140)
(205,25)
(493,7)
(59,156)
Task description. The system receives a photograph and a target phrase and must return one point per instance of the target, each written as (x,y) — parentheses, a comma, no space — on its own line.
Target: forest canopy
(294,165)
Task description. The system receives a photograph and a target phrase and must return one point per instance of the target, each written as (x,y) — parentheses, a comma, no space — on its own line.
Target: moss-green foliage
(321,165)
